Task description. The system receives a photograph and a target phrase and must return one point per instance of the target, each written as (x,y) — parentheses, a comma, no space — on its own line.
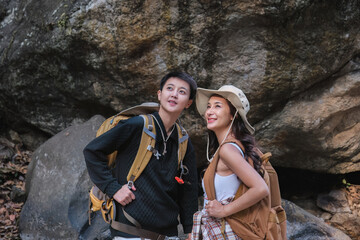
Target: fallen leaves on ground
(12,175)
(353,196)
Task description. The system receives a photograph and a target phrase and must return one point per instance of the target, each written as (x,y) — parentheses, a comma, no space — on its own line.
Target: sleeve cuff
(112,188)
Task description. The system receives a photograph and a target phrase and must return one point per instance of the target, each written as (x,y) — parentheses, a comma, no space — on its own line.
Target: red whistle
(179,180)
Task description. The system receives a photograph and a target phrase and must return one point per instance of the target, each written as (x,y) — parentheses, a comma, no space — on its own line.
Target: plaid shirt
(211,228)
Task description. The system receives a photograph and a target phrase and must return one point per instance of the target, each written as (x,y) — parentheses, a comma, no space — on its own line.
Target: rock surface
(57,185)
(334,202)
(62,62)
(303,225)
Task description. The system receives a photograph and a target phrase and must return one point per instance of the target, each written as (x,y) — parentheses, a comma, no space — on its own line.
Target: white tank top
(225,186)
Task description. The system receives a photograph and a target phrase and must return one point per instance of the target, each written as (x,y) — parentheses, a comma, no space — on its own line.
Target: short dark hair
(183,76)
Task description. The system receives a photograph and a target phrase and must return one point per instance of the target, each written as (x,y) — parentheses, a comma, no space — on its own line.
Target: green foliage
(63,20)
(346,184)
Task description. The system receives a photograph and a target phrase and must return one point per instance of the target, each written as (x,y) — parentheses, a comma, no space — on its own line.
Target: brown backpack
(263,220)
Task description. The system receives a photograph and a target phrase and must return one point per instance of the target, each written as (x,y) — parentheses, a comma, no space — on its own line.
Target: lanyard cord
(162,134)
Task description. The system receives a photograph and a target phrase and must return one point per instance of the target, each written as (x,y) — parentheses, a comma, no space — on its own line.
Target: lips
(211,120)
(172,103)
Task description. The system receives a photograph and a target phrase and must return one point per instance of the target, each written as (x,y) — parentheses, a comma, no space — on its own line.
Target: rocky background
(64,61)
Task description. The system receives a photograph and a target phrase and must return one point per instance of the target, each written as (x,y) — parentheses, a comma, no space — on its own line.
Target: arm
(258,189)
(96,152)
(188,194)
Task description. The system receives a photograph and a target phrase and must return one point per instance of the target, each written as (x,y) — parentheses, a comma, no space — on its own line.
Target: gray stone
(334,202)
(57,184)
(348,223)
(304,226)
(326,216)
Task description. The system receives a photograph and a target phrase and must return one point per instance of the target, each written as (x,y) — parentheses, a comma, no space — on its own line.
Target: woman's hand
(125,195)
(215,209)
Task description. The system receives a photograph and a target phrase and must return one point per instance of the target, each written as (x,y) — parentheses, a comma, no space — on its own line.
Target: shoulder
(230,151)
(230,147)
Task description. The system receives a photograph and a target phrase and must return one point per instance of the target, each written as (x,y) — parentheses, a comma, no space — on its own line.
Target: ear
(159,95)
(189,104)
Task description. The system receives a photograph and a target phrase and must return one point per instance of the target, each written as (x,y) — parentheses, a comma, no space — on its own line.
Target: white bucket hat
(229,92)
(144,108)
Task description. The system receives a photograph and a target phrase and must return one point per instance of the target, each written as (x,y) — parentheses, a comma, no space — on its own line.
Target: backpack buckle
(154,151)
(130,184)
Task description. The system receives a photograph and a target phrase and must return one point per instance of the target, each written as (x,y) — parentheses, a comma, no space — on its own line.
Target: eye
(169,88)
(218,106)
(182,92)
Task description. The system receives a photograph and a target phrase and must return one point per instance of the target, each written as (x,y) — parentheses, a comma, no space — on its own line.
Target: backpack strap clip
(154,151)
(130,184)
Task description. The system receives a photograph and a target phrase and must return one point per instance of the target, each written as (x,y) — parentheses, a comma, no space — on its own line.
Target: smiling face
(217,114)
(174,96)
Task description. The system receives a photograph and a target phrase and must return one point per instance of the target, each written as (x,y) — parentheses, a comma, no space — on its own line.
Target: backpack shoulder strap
(145,151)
(183,142)
(147,148)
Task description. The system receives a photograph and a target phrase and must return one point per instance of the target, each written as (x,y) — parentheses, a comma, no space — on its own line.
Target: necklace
(162,134)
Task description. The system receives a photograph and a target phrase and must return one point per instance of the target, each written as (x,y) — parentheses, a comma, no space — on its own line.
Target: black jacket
(159,197)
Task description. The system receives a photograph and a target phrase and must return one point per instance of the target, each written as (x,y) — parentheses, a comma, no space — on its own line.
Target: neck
(168,119)
(220,137)
(222,134)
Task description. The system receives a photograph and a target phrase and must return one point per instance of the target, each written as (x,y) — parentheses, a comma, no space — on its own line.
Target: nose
(174,94)
(209,111)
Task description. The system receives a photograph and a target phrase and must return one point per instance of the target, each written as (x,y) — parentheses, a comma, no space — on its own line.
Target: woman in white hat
(235,161)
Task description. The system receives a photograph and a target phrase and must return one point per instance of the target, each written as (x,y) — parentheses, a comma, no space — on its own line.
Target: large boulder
(323,124)
(297,61)
(57,185)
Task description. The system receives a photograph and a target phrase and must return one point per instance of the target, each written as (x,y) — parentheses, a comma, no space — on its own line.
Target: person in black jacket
(157,199)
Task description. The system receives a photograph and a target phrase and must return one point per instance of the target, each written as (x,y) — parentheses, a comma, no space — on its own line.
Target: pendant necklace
(162,134)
